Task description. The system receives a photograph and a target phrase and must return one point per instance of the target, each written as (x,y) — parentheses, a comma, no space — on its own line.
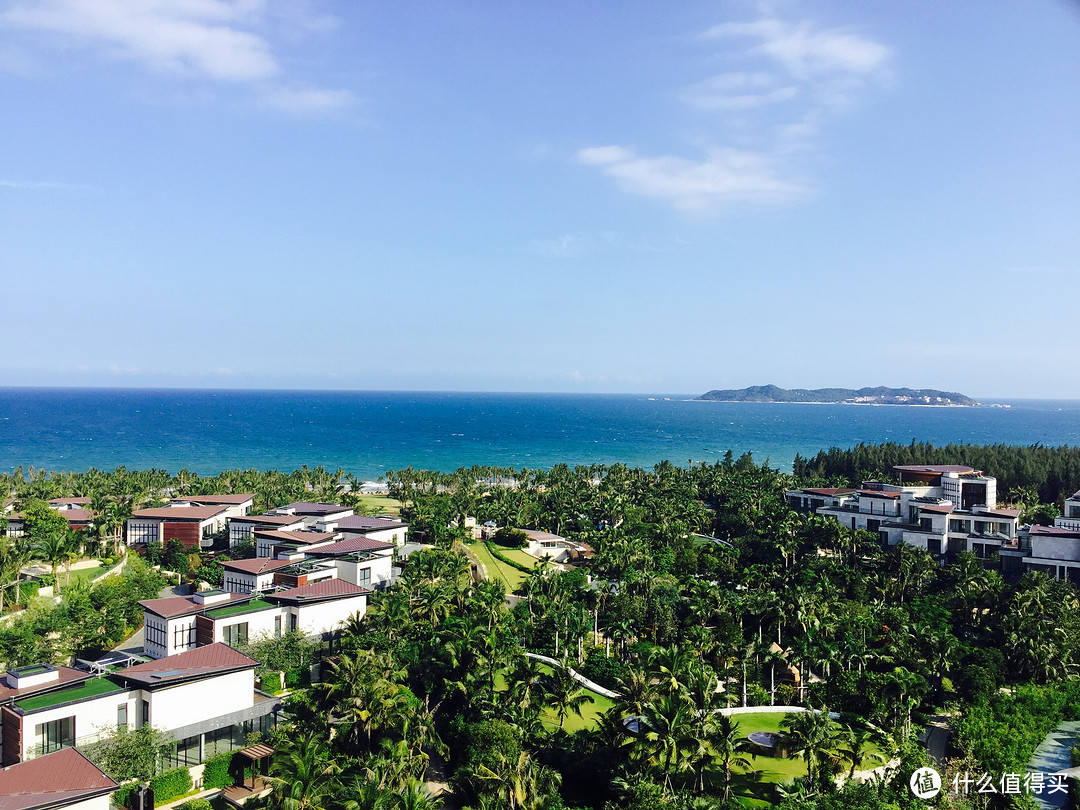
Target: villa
(314,512)
(76,512)
(559,549)
(191,525)
(235,505)
(942,509)
(241,528)
(204,698)
(273,542)
(387,530)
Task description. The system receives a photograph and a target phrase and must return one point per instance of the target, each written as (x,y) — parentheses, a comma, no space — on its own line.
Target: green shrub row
(196,804)
(123,794)
(216,771)
(170,784)
(498,555)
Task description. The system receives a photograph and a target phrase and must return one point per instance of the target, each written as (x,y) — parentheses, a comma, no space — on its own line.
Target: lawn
(497,569)
(82,573)
(519,556)
(379,504)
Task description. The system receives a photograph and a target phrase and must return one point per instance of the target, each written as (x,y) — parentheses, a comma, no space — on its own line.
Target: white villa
(64,779)
(941,509)
(204,698)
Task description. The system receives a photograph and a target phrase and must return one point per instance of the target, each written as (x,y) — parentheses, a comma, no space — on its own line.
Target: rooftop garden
(94,687)
(236,610)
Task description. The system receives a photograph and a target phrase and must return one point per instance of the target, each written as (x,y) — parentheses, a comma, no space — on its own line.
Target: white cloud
(215,40)
(808,52)
(311,100)
(699,186)
(790,78)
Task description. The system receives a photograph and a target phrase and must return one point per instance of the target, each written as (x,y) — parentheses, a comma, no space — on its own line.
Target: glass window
(121,716)
(54,735)
(363,576)
(235,634)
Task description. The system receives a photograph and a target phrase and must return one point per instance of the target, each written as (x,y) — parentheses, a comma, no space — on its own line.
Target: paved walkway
(1053,756)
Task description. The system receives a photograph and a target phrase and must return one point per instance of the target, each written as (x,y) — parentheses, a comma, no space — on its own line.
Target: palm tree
(856,745)
(811,736)
(53,547)
(564,695)
(731,749)
(303,776)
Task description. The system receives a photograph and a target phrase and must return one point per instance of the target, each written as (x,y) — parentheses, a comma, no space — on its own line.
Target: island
(880,395)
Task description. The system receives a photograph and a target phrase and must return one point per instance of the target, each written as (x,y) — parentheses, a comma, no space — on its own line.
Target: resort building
(241,528)
(359,560)
(204,698)
(1052,550)
(65,779)
(387,530)
(307,597)
(1070,519)
(313,512)
(941,509)
(191,525)
(248,576)
(235,505)
(274,543)
(75,510)
(558,549)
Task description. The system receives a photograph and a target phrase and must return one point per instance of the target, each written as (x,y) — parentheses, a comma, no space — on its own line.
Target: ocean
(369,432)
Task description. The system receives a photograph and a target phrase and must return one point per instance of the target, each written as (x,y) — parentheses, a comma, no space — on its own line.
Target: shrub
(216,772)
(603,670)
(511,538)
(121,797)
(196,804)
(170,785)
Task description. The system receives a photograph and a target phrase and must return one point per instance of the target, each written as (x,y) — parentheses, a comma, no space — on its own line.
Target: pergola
(259,756)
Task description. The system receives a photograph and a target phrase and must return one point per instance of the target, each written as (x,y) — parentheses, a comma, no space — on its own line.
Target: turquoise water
(370,432)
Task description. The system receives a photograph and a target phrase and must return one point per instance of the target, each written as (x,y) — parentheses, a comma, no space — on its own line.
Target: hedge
(216,772)
(121,796)
(170,785)
(196,804)
(498,555)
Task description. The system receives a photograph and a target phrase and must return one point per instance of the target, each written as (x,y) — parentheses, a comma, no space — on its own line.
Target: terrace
(237,610)
(95,687)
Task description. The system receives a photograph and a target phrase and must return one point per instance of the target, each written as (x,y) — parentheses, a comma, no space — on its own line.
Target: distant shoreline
(869,404)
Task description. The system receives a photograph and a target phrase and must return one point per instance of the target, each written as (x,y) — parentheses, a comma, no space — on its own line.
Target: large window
(54,735)
(155,634)
(363,577)
(183,636)
(235,634)
(121,717)
(185,754)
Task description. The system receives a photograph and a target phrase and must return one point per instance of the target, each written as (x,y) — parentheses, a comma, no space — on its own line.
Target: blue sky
(605,196)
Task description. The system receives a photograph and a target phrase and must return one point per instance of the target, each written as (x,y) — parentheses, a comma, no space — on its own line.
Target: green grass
(82,573)
(95,687)
(519,556)
(236,610)
(590,712)
(380,504)
(497,569)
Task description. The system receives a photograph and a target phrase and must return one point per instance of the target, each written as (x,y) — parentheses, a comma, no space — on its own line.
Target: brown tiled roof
(54,780)
(60,501)
(535,535)
(257,566)
(232,500)
(269,520)
(830,491)
(348,546)
(371,524)
(875,493)
(324,590)
(304,538)
(77,515)
(180,512)
(939,509)
(1053,531)
(202,662)
(934,468)
(68,675)
(1002,512)
(173,607)
(313,508)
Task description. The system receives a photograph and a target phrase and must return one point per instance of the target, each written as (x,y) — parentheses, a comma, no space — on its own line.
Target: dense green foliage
(171,785)
(217,771)
(129,753)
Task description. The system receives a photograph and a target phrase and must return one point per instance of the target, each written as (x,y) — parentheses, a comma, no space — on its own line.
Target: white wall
(1055,548)
(381,570)
(92,717)
(141,531)
(259,622)
(188,703)
(327,616)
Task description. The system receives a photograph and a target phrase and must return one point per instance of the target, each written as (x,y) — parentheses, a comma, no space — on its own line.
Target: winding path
(1052,756)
